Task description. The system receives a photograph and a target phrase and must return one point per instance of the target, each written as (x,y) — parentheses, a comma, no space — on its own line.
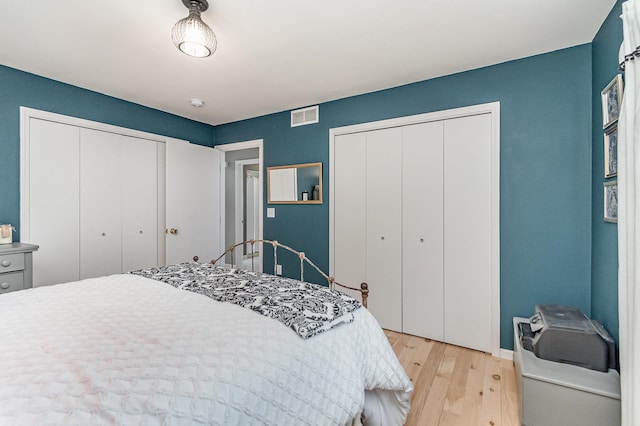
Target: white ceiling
(281,54)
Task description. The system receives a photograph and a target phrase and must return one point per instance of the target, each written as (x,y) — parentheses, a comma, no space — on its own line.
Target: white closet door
(139,203)
(422,233)
(467,230)
(100,203)
(350,243)
(384,226)
(54,206)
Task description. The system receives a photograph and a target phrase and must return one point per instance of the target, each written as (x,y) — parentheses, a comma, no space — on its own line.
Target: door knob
(173,231)
(5,286)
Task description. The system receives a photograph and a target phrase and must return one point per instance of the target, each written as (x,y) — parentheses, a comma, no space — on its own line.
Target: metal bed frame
(364,287)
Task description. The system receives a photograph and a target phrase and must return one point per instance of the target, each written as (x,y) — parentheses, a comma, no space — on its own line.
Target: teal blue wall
(604,263)
(18,89)
(545,171)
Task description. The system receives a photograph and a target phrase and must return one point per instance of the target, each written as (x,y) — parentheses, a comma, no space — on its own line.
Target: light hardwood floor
(454,385)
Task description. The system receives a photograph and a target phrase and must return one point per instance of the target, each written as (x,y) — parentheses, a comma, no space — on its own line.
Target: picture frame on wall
(611,152)
(611,201)
(611,101)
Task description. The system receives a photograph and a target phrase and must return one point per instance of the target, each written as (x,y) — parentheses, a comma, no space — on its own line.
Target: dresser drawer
(11,262)
(11,282)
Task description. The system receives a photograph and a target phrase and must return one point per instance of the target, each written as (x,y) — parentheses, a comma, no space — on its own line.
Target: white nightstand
(16,266)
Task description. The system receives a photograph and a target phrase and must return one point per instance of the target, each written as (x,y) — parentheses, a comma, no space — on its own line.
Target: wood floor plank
(421,351)
(424,382)
(456,386)
(492,399)
(510,400)
(473,398)
(431,411)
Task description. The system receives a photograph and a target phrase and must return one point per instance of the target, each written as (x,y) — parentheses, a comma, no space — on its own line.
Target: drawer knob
(6,263)
(5,286)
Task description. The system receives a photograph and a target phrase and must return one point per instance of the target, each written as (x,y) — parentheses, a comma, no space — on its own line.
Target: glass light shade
(193,37)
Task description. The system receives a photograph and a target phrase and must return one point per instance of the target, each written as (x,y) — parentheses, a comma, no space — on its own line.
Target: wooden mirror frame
(295,166)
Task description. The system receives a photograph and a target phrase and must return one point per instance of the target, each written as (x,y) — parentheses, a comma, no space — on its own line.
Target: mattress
(125,349)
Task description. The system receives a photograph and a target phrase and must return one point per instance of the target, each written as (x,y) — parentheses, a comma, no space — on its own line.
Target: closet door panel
(422,231)
(384,226)
(139,203)
(100,203)
(350,174)
(467,230)
(54,201)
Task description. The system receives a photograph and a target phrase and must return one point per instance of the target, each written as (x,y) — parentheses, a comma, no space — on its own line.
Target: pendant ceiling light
(191,35)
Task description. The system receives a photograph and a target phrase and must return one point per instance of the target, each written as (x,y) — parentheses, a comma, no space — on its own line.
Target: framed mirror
(295,184)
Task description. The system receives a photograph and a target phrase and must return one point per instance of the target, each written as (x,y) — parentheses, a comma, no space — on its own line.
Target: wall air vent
(303,116)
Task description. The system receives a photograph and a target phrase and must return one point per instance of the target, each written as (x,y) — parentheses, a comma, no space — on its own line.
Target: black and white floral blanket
(308,309)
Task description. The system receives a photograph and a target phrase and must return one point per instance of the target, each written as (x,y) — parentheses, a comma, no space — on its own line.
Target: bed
(190,344)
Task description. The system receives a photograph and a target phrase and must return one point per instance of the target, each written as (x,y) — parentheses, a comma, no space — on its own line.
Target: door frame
(237,146)
(492,108)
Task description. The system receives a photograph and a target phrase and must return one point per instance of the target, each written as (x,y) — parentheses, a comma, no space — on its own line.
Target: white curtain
(629,218)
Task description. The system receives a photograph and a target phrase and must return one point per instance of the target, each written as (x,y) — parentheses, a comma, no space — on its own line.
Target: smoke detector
(198,103)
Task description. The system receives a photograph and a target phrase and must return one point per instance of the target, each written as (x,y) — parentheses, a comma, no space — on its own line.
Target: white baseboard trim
(506,354)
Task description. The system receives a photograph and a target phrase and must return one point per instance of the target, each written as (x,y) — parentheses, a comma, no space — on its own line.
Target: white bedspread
(129,350)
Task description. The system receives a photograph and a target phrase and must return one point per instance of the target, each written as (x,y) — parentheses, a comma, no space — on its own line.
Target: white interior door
(422,232)
(53,207)
(384,226)
(468,231)
(100,203)
(247,205)
(252,207)
(193,202)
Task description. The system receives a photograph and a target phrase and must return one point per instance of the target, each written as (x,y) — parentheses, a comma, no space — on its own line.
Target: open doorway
(243,201)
